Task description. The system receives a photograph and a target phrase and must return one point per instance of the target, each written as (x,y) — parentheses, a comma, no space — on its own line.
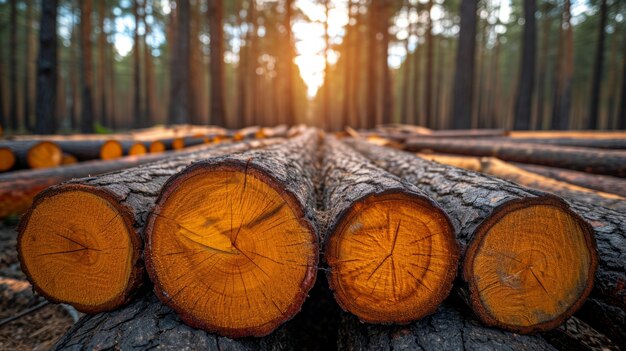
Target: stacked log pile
(224,241)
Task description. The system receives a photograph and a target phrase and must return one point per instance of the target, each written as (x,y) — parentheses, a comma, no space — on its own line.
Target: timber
(232,243)
(92,149)
(501,169)
(81,241)
(609,162)
(29,154)
(446,329)
(147,323)
(529,260)
(390,249)
(617,143)
(133,148)
(598,182)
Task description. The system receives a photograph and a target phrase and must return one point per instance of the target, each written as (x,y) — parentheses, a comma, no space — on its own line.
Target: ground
(37,330)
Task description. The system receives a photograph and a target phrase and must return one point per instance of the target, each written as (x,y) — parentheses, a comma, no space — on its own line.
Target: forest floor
(38,330)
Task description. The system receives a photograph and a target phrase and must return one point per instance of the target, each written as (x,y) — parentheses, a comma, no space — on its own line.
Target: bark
(417,66)
(241,115)
(406,73)
(102,64)
(526,81)
(74,71)
(387,103)
(607,184)
(21,150)
(472,200)
(13,108)
(291,167)
(609,162)
(371,104)
(252,64)
(564,65)
(147,323)
(47,69)
(138,121)
(290,74)
(326,111)
(594,143)
(216,30)
(132,193)
(86,66)
(179,107)
(17,189)
(27,67)
(349,53)
(543,63)
(430,122)
(349,179)
(446,329)
(149,71)
(596,83)
(465,62)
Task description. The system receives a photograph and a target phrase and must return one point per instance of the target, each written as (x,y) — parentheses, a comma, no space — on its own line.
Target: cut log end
(68,159)
(137,149)
(393,258)
(76,247)
(7,159)
(156,147)
(229,250)
(178,144)
(44,154)
(111,150)
(531,266)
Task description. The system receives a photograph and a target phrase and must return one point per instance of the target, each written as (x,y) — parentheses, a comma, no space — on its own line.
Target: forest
(69,65)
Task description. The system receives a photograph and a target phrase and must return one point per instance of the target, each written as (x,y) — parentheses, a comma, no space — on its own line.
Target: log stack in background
(529,261)
(20,154)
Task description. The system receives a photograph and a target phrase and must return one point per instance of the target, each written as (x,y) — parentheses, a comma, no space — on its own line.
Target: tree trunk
(179,107)
(216,31)
(30,154)
(290,74)
(565,61)
(87,120)
(526,81)
(377,224)
(111,69)
(417,105)
(47,69)
(430,119)
(348,113)
(385,23)
(27,67)
(596,82)
(74,72)
(241,114)
(3,119)
(326,110)
(406,72)
(252,64)
(543,63)
(102,64)
(609,162)
(266,199)
(465,62)
(13,108)
(147,323)
(621,117)
(148,71)
(594,143)
(371,103)
(446,329)
(115,204)
(592,181)
(139,121)
(504,281)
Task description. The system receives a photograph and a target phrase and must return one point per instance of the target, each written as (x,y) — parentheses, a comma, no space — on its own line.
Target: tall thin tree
(543,62)
(428,99)
(596,82)
(47,69)
(138,117)
(621,117)
(179,66)
(385,24)
(564,77)
(216,32)
(13,109)
(102,63)
(148,66)
(372,48)
(465,58)
(26,96)
(326,112)
(289,55)
(526,81)
(86,66)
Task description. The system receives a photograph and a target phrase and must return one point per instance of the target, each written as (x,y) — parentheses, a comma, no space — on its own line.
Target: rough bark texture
(470,199)
(47,69)
(147,324)
(465,57)
(447,329)
(290,164)
(17,189)
(611,162)
(133,193)
(607,184)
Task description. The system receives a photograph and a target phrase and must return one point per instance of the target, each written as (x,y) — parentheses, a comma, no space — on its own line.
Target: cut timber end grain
(156,147)
(390,258)
(391,250)
(135,149)
(7,159)
(111,149)
(229,250)
(43,155)
(528,263)
(88,262)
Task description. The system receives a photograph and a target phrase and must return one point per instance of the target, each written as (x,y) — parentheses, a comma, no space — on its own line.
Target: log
(18,188)
(610,162)
(447,329)
(232,243)
(612,143)
(92,149)
(586,134)
(29,154)
(133,148)
(528,260)
(592,181)
(508,171)
(390,249)
(81,241)
(68,160)
(147,323)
